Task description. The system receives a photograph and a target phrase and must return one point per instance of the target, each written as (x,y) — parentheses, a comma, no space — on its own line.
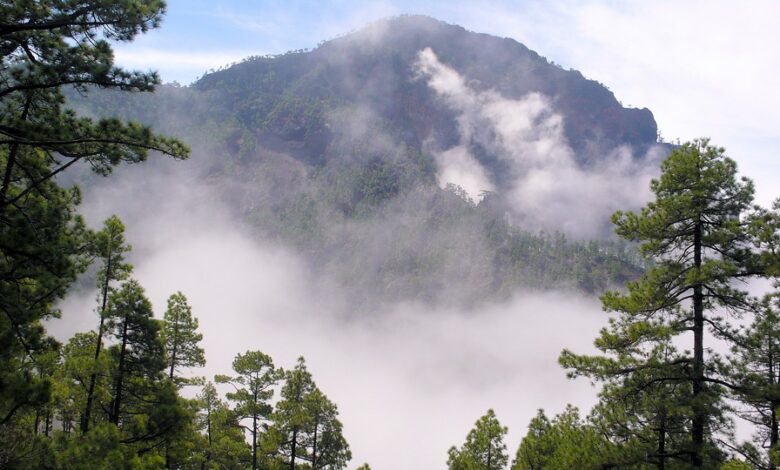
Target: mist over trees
(339,154)
(127,395)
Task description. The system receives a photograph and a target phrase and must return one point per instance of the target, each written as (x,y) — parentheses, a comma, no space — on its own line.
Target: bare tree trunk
(699,414)
(93,377)
(293,449)
(114,418)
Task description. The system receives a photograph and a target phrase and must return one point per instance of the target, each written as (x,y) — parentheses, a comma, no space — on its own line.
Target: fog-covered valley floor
(402,374)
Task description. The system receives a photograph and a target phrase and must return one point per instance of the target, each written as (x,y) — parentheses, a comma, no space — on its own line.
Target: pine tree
(110,247)
(224,446)
(77,368)
(144,406)
(537,447)
(291,418)
(253,389)
(756,367)
(323,438)
(45,45)
(484,447)
(180,337)
(41,253)
(563,443)
(695,231)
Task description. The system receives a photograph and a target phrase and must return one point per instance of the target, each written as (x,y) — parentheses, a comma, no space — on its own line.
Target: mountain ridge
(340,152)
(354,62)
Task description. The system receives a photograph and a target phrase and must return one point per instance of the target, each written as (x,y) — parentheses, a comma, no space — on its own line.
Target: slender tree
(225,446)
(109,247)
(138,353)
(77,368)
(291,418)
(180,336)
(695,231)
(253,388)
(323,438)
(484,447)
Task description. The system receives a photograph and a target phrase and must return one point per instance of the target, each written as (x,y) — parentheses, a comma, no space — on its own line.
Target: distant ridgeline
(331,151)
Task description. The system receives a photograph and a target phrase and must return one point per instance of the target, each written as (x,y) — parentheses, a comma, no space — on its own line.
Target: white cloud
(705,68)
(402,375)
(550,190)
(457,166)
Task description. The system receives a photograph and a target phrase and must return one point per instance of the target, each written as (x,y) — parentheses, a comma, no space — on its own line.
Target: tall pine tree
(180,337)
(695,232)
(253,389)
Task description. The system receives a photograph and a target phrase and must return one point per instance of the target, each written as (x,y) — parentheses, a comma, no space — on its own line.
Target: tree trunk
(170,376)
(662,443)
(120,376)
(254,441)
(773,435)
(208,437)
(175,346)
(489,449)
(314,447)
(699,413)
(13,151)
(93,377)
(293,449)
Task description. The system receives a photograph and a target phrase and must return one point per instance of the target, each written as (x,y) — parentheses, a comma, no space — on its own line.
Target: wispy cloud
(547,184)
(705,68)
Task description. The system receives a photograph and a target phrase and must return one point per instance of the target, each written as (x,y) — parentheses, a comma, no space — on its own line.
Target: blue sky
(705,68)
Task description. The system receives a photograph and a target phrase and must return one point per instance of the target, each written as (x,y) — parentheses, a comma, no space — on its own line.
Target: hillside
(405,160)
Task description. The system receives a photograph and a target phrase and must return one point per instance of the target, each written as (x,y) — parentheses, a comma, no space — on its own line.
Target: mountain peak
(375,66)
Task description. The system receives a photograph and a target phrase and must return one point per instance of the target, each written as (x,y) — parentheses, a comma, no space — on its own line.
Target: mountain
(374,67)
(414,159)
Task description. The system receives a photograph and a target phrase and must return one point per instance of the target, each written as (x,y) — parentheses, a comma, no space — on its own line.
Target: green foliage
(291,417)
(41,240)
(78,366)
(253,389)
(109,246)
(305,429)
(563,443)
(224,445)
(537,447)
(45,45)
(754,365)
(145,407)
(180,337)
(484,447)
(695,232)
(326,445)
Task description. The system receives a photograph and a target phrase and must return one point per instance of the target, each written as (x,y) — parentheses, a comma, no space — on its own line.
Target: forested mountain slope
(416,160)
